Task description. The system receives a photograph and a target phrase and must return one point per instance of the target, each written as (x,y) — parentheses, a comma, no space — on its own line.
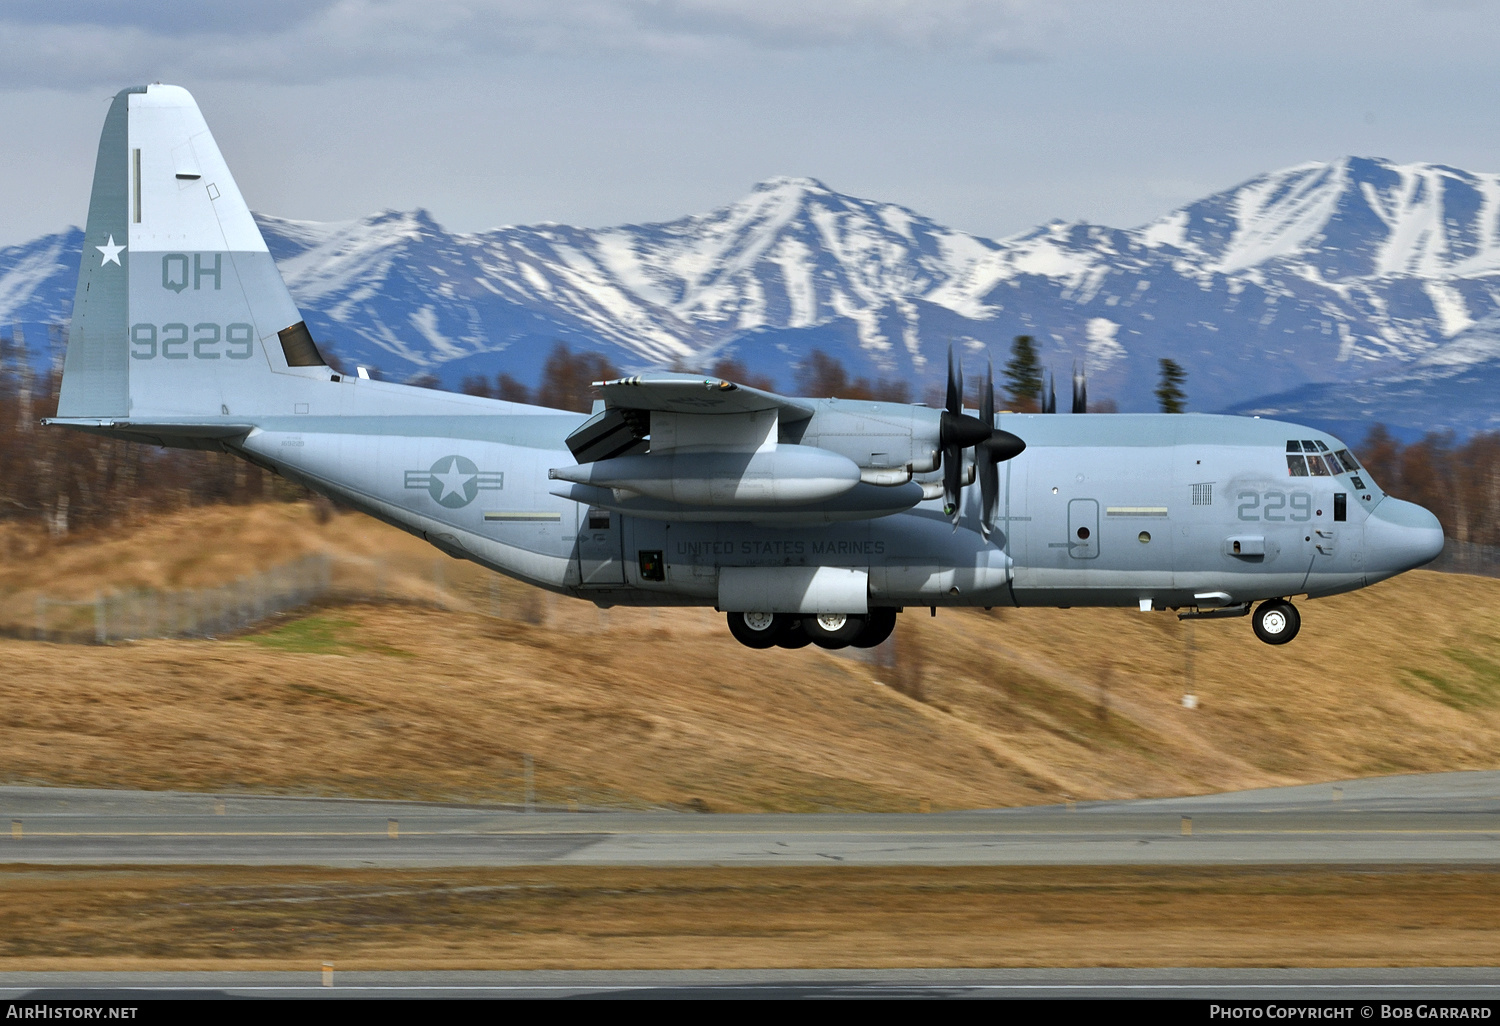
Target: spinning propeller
(991,447)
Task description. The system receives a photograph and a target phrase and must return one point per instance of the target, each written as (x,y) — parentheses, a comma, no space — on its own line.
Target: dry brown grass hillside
(441,684)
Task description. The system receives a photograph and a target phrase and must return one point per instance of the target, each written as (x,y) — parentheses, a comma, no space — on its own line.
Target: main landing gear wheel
(1276,622)
(878,627)
(754,630)
(833,630)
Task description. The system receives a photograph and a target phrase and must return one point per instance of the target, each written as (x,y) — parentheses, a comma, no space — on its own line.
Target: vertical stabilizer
(95,371)
(180,313)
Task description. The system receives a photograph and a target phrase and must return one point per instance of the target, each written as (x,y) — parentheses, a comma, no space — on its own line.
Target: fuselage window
(1348,460)
(1321,446)
(653,566)
(1333,463)
(1316,465)
(1296,466)
(1293,446)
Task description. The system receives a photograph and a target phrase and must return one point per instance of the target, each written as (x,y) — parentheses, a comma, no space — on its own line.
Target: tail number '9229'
(204,341)
(1275,506)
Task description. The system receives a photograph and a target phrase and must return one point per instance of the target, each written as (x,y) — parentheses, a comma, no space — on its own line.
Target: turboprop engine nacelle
(787,475)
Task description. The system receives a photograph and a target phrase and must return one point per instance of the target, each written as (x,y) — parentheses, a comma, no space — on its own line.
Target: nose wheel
(1276,622)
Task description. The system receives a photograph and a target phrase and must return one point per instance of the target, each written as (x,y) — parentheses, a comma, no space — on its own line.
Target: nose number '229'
(1275,506)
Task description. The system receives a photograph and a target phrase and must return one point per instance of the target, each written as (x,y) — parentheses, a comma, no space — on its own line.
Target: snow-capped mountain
(1454,387)
(1320,274)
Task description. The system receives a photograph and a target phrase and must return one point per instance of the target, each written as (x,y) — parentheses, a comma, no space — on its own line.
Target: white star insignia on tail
(111,253)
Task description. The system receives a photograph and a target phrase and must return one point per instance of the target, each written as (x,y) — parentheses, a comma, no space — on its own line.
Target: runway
(1433,818)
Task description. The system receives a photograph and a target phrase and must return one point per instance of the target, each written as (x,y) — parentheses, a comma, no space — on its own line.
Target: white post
(530,776)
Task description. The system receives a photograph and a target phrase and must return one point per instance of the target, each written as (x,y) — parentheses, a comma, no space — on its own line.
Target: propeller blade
(959,431)
(955,404)
(953,466)
(988,469)
(987,407)
(1080,391)
(956,432)
(1049,392)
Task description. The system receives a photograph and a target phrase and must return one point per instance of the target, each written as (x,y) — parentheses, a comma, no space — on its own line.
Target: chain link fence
(186,612)
(1467,558)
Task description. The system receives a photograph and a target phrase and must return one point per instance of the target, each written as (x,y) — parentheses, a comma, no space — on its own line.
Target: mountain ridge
(1321,275)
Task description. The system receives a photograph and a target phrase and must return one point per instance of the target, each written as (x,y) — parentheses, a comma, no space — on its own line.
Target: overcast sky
(990,117)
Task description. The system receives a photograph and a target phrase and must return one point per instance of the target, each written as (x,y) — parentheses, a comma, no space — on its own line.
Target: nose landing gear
(1276,622)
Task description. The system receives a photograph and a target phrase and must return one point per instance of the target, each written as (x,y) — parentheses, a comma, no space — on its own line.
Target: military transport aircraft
(805,520)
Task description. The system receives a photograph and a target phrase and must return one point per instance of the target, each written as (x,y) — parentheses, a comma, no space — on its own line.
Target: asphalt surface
(1452,817)
(1434,818)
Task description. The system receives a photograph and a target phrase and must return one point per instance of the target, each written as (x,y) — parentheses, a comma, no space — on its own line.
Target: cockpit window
(1327,463)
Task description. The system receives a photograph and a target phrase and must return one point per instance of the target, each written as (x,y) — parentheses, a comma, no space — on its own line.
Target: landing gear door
(599,549)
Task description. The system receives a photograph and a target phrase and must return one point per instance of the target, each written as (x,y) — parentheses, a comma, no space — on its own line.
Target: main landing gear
(1276,622)
(826,630)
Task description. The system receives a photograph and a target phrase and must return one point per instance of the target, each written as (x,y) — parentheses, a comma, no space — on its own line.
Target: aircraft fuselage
(1115,510)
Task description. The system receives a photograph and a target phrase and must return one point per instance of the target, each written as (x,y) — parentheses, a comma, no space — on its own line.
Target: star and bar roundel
(454,481)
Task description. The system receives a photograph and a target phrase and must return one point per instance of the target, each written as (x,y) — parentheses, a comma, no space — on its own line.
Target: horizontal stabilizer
(208,436)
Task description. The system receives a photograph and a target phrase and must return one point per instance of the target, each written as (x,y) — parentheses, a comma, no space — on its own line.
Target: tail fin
(180,313)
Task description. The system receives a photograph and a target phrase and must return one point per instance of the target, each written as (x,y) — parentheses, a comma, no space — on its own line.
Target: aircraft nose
(1402,535)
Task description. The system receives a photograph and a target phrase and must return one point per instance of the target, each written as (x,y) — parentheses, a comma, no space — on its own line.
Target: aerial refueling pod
(784,476)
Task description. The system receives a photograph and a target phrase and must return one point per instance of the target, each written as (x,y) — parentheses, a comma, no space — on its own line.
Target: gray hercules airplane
(804,520)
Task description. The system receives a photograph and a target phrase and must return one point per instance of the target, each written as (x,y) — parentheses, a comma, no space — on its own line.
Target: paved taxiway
(1449,817)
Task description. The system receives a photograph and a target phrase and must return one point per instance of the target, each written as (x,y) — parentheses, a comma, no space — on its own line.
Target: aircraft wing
(620,429)
(684,393)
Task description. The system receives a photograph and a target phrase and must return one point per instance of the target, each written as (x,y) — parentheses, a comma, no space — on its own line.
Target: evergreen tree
(1023,374)
(1169,394)
(567,379)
